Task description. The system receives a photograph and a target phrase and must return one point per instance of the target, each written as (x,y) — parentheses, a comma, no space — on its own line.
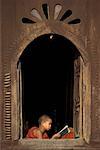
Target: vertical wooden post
(19,76)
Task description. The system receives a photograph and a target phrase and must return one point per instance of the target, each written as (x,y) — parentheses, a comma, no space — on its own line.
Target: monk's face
(47,124)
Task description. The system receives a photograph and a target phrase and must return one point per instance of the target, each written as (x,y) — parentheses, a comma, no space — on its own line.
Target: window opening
(47,70)
(75,21)
(66,15)
(45,8)
(27,20)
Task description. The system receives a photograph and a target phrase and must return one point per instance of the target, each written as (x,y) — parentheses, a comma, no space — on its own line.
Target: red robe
(30,134)
(70,135)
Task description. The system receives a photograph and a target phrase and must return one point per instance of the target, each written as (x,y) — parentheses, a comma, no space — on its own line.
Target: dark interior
(47,66)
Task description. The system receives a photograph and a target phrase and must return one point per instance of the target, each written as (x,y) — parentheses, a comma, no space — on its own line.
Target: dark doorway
(47,66)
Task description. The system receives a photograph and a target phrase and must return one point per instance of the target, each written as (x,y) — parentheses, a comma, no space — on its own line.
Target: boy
(45,123)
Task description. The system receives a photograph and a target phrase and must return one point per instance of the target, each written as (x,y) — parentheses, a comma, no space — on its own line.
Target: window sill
(51,143)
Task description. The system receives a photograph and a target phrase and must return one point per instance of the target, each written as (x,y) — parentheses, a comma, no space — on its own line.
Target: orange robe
(70,135)
(30,134)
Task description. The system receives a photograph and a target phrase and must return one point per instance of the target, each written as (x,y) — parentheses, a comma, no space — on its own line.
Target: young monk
(45,123)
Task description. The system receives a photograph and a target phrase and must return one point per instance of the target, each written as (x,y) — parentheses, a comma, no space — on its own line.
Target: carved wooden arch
(56,28)
(29,34)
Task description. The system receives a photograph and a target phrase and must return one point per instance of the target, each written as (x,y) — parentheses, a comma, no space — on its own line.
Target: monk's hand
(56,136)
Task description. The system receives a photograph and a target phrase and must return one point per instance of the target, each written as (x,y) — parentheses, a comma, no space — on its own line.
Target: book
(64,130)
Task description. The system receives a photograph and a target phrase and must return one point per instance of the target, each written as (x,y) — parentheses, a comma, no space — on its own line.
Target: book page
(64,131)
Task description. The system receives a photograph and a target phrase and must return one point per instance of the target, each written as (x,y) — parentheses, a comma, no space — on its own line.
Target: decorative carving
(7,96)
(76,107)
(57,9)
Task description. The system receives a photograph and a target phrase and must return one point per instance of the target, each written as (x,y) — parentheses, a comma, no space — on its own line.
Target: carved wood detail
(7,105)
(76,108)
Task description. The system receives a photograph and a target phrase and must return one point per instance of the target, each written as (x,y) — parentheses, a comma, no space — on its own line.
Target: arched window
(50,82)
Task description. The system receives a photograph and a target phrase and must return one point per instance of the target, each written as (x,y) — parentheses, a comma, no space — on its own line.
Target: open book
(64,131)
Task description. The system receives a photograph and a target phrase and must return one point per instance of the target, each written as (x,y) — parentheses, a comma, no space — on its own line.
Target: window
(50,77)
